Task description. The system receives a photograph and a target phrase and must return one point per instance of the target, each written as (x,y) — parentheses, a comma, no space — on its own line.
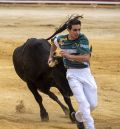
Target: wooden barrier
(101,2)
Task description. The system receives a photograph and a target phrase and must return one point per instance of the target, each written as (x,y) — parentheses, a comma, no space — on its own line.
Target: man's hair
(72,20)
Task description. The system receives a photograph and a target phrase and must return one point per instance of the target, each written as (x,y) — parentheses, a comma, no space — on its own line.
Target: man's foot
(80,125)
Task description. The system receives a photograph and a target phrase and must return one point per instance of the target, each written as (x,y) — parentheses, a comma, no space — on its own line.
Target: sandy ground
(102,27)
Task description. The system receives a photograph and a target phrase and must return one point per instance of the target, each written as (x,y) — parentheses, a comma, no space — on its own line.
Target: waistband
(82,67)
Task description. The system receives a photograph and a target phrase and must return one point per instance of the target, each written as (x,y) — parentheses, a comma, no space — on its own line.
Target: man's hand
(65,54)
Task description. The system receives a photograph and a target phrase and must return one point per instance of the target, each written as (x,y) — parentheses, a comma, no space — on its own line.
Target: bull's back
(18,62)
(30,59)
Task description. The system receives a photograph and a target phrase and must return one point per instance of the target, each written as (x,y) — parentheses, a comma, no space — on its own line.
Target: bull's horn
(52,63)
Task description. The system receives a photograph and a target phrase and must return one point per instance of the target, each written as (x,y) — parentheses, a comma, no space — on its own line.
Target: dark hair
(72,20)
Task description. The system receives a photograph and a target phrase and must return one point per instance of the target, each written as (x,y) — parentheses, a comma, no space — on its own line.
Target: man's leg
(83,113)
(90,90)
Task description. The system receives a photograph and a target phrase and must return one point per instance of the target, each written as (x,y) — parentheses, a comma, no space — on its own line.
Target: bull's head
(53,63)
(56,59)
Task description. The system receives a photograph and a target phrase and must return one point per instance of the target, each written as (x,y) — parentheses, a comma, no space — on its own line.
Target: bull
(31,64)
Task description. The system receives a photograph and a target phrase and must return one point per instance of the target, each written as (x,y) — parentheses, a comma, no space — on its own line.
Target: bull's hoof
(45,117)
(72,117)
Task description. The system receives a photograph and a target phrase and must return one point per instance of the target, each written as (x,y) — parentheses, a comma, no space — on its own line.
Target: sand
(18,109)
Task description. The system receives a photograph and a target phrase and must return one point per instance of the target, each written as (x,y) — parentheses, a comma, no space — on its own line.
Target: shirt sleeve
(83,47)
(55,41)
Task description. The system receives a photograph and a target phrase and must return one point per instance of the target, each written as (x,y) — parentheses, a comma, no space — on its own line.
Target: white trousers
(84,88)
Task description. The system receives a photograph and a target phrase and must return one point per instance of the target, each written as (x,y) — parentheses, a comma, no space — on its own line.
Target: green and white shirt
(78,46)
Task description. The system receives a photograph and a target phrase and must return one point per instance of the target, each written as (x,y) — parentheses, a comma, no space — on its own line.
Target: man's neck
(71,38)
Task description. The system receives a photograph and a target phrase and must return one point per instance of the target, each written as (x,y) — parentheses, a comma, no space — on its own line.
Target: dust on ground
(18,109)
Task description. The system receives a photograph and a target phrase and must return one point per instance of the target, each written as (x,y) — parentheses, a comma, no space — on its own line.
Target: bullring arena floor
(20,22)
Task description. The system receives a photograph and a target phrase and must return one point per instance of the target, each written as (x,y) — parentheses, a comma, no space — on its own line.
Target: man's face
(74,31)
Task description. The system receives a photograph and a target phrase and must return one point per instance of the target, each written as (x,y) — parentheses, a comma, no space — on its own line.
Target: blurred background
(20,20)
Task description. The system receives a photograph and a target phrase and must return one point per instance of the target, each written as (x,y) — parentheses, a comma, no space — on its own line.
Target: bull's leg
(68,102)
(43,114)
(71,109)
(55,98)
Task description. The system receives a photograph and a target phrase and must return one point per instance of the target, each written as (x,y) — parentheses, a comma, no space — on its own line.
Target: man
(76,56)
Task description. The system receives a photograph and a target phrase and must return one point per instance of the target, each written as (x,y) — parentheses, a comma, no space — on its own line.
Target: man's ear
(91,49)
(68,29)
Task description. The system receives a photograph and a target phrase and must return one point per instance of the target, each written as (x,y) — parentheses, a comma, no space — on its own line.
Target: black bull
(30,63)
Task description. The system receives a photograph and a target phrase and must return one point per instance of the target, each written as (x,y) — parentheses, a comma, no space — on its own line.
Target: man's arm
(80,58)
